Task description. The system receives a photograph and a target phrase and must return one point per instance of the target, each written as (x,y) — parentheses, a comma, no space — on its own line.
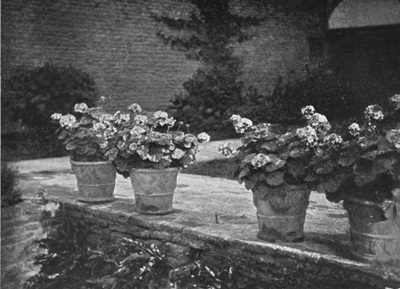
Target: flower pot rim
(155,170)
(97,163)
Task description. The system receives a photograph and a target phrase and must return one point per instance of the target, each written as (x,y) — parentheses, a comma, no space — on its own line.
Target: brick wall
(262,267)
(21,226)
(115,41)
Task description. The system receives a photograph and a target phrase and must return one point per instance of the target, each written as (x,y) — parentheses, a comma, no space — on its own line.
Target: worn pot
(96,181)
(374,236)
(154,190)
(281,212)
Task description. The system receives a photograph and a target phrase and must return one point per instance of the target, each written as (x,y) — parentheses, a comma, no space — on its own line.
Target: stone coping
(211,210)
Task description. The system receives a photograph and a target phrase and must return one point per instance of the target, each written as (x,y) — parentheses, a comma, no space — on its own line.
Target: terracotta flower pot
(281,212)
(96,181)
(154,190)
(373,236)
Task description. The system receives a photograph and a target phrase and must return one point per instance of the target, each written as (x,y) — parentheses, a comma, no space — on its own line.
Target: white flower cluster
(226,149)
(354,129)
(333,139)
(140,119)
(80,107)
(121,117)
(203,137)
(260,160)
(309,134)
(317,126)
(396,100)
(163,119)
(393,136)
(135,108)
(67,120)
(241,124)
(307,111)
(137,131)
(373,111)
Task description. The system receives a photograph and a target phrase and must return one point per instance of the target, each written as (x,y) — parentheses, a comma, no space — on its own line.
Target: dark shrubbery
(10,195)
(210,109)
(31,95)
(329,91)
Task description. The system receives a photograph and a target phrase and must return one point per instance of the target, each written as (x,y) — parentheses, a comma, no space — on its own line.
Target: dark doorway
(369,57)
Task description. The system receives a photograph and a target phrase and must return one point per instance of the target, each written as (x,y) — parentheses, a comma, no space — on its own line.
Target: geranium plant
(364,161)
(83,136)
(149,140)
(367,163)
(271,156)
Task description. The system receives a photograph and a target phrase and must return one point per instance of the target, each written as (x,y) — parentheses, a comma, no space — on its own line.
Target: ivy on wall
(214,92)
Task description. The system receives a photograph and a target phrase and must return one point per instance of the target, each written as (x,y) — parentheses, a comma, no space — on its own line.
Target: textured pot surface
(373,236)
(96,181)
(281,212)
(154,190)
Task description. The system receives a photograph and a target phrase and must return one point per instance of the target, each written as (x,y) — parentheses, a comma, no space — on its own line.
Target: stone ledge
(323,259)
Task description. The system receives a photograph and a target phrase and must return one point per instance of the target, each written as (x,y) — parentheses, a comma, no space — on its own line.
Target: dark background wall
(115,42)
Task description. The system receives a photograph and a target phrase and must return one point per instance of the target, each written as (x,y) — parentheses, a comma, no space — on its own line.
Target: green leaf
(296,169)
(82,150)
(63,134)
(275,179)
(244,172)
(295,153)
(276,164)
(70,146)
(270,146)
(248,158)
(346,160)
(326,168)
(250,183)
(387,162)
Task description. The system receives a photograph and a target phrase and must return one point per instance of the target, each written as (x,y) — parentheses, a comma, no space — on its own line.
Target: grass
(220,168)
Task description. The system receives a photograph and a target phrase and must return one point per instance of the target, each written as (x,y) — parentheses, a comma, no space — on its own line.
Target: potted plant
(364,172)
(84,139)
(147,148)
(274,164)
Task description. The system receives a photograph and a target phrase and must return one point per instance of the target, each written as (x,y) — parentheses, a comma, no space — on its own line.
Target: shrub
(31,95)
(9,180)
(328,90)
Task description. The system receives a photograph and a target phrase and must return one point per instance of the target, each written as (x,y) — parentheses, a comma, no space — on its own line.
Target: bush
(31,95)
(328,90)
(9,179)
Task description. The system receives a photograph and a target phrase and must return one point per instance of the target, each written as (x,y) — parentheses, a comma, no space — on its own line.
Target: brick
(129,63)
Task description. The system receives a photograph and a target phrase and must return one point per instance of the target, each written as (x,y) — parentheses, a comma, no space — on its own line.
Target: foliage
(126,263)
(363,161)
(65,257)
(270,156)
(30,95)
(129,264)
(146,140)
(210,270)
(367,161)
(214,89)
(10,195)
(327,89)
(85,137)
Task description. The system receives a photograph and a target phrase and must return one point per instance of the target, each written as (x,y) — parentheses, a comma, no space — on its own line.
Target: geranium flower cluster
(318,126)
(395,100)
(226,149)
(128,138)
(84,136)
(145,140)
(241,124)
